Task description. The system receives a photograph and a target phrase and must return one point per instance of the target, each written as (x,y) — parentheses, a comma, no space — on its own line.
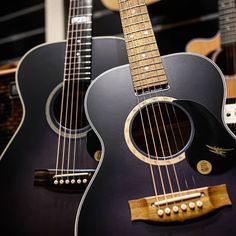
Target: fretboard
(144,58)
(227,21)
(79,40)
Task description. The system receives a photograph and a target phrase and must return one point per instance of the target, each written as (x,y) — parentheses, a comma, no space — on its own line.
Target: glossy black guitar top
(195,186)
(32,201)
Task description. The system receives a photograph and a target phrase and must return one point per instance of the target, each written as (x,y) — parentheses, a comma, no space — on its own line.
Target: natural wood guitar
(113,5)
(222,50)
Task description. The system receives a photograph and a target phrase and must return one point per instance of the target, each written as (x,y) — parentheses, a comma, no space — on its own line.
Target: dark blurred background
(24,24)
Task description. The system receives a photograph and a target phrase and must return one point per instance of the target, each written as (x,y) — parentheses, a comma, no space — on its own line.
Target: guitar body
(121,176)
(113,5)
(30,203)
(204,46)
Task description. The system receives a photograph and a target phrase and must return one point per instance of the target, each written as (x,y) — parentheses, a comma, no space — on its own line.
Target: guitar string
(155,118)
(77,105)
(83,84)
(149,121)
(126,7)
(157,126)
(153,141)
(71,85)
(62,98)
(152,134)
(75,80)
(162,119)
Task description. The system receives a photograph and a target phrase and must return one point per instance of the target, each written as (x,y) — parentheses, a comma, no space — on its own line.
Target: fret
(82,50)
(134,15)
(79,40)
(227,21)
(77,79)
(133,52)
(142,70)
(140,43)
(138,19)
(131,7)
(142,50)
(136,27)
(228,29)
(74,71)
(151,55)
(135,65)
(81,37)
(145,31)
(144,76)
(138,38)
(151,82)
(145,62)
(77,74)
(135,23)
(77,66)
(73,58)
(229,38)
(227,12)
(81,7)
(81,30)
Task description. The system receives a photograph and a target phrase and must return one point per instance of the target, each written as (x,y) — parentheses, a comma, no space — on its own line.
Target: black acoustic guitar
(52,157)
(168,162)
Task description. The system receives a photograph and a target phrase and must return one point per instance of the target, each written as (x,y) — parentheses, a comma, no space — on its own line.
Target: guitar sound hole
(167,130)
(226,59)
(66,108)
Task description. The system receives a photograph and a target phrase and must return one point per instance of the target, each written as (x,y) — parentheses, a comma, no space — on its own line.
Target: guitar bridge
(180,206)
(63,181)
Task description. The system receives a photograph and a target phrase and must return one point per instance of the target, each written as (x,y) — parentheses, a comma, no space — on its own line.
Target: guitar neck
(144,58)
(79,40)
(227,21)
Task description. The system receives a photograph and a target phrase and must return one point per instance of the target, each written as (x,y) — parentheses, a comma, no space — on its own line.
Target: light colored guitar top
(113,5)
(204,46)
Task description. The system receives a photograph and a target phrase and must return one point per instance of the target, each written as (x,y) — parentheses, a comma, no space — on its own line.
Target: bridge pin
(67,181)
(61,181)
(167,211)
(183,207)
(85,181)
(191,205)
(160,212)
(72,181)
(78,181)
(175,209)
(55,181)
(199,204)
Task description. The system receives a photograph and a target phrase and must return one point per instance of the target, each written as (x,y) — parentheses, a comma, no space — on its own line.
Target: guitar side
(121,176)
(28,206)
